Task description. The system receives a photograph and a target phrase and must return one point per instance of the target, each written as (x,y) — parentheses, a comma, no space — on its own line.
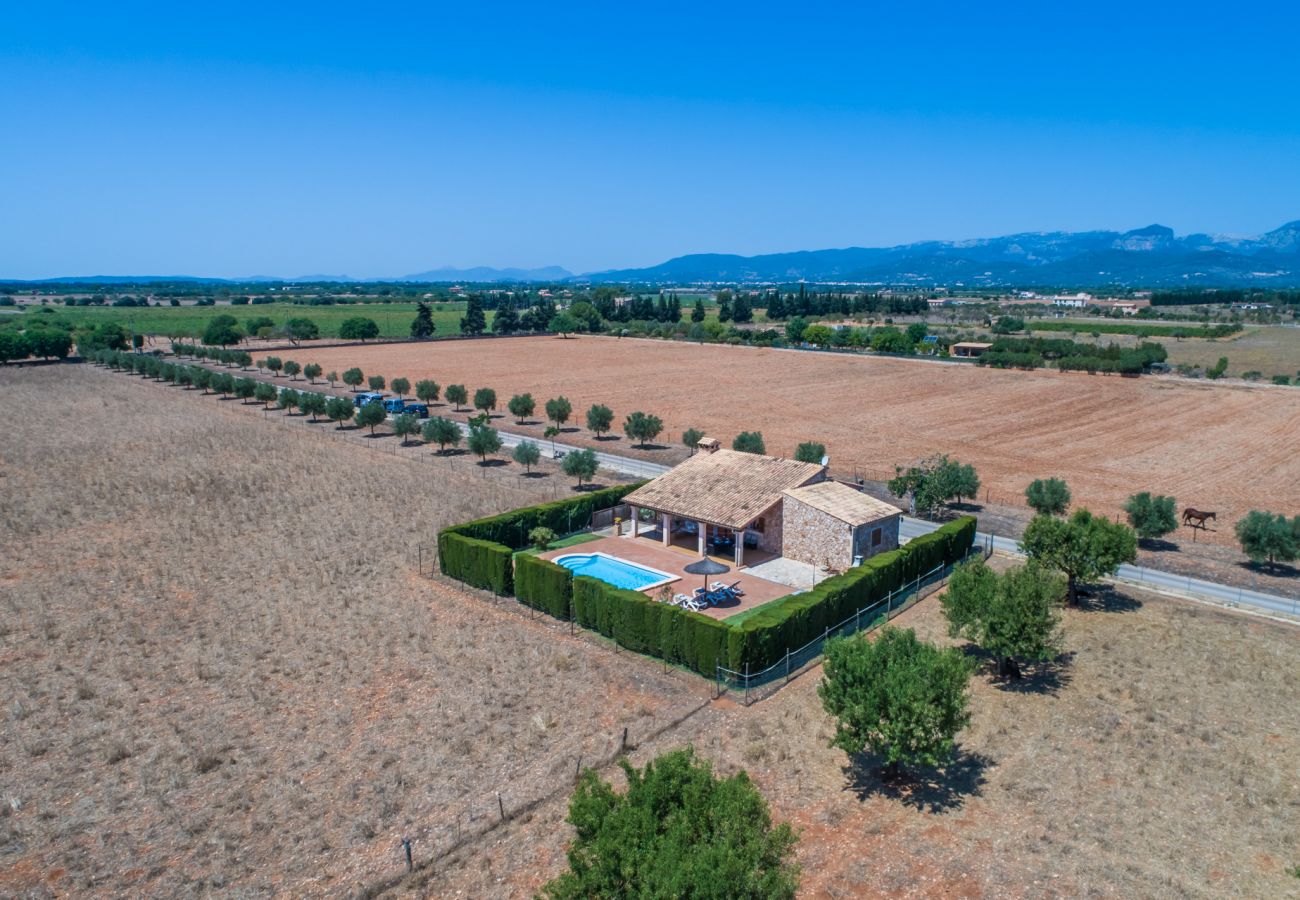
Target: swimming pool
(615,571)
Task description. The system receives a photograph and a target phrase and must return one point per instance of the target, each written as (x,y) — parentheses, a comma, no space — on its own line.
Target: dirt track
(1225,448)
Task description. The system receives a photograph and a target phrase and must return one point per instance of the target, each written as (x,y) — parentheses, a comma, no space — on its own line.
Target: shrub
(749,442)
(358,328)
(1048,496)
(810,452)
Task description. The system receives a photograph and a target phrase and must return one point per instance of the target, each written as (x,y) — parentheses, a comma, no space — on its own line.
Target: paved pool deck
(674,560)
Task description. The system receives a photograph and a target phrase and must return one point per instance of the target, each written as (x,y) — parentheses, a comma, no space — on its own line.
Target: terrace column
(740,549)
(635,515)
(700,529)
(666,526)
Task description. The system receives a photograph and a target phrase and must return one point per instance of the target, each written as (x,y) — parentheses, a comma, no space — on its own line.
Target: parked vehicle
(395,405)
(420,410)
(366,397)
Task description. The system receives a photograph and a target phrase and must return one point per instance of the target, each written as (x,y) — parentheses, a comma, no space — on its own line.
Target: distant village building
(969,349)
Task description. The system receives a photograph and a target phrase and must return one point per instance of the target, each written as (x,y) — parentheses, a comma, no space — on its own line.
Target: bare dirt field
(219,672)
(1229,448)
(1158,759)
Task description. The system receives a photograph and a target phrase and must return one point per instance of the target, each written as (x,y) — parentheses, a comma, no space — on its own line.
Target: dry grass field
(1273,350)
(1158,761)
(1229,448)
(219,672)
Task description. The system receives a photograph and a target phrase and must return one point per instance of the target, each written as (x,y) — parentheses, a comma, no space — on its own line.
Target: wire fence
(755,686)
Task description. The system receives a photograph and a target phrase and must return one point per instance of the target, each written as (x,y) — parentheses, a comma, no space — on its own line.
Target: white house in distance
(726,502)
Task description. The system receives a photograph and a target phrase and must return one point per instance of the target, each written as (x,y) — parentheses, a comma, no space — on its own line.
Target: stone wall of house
(770,538)
(888,537)
(812,536)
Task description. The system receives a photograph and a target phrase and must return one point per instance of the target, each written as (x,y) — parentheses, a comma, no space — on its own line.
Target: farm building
(729,502)
(969,349)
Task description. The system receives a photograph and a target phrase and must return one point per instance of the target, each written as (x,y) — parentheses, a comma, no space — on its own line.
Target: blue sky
(385,139)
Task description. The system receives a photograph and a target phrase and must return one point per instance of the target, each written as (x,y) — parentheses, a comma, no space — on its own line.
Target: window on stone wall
(877,536)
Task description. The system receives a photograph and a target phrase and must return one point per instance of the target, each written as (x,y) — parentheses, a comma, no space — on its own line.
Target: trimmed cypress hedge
(793,621)
(483,564)
(699,642)
(543,585)
(561,516)
(479,552)
(644,625)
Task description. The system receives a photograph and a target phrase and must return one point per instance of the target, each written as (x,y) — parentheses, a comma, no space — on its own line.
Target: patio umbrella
(706,567)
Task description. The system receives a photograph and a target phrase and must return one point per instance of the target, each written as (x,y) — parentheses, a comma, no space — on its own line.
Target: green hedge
(793,621)
(543,585)
(561,516)
(640,623)
(648,626)
(483,564)
(479,552)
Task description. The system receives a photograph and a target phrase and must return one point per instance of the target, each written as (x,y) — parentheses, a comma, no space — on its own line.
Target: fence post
(747,684)
(889,605)
(787,665)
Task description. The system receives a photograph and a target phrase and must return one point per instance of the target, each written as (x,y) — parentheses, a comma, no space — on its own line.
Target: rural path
(1151,578)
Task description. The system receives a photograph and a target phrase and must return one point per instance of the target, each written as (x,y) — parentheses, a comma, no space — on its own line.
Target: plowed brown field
(1225,448)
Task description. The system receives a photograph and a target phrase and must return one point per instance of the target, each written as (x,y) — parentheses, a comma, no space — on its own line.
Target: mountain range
(1153,257)
(1146,257)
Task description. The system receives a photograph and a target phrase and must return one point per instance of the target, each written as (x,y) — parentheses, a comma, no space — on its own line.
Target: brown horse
(1200,517)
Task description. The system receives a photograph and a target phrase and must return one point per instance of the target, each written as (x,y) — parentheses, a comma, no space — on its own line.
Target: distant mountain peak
(1151,256)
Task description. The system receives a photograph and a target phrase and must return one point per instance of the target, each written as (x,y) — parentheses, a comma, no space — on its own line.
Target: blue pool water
(612,570)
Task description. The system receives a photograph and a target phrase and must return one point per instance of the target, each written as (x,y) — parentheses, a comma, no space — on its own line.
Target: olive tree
(1048,496)
(1084,547)
(485,400)
(401,386)
(484,440)
(1012,615)
(427,391)
(1152,516)
(443,432)
(312,404)
(558,410)
(371,414)
(312,371)
(526,453)
(691,438)
(521,406)
(457,394)
(599,419)
(749,442)
(582,465)
(643,427)
(353,378)
(678,830)
(901,698)
(292,369)
(405,425)
(339,409)
(376,382)
(1268,537)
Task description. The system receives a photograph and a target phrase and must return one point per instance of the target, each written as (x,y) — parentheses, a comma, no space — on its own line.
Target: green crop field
(393,319)
(1139,329)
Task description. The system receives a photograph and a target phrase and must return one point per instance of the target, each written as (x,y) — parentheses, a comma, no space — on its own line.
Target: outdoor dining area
(717,594)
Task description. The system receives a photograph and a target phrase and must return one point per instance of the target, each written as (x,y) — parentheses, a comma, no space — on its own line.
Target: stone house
(834,526)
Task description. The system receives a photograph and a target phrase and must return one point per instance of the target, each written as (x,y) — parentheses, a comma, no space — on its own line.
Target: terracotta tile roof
(843,502)
(725,487)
